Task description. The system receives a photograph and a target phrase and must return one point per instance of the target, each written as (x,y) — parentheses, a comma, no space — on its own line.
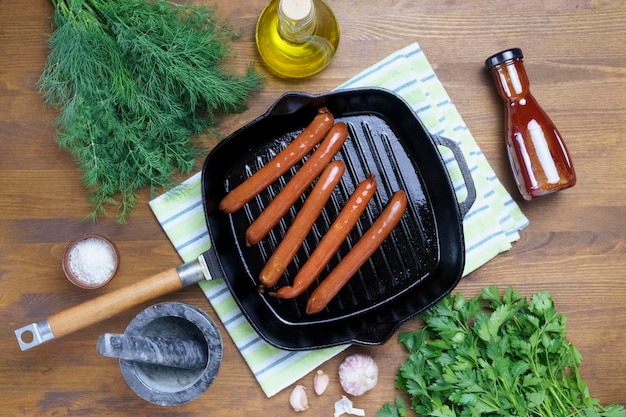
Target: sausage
(332,240)
(302,224)
(277,208)
(358,255)
(279,164)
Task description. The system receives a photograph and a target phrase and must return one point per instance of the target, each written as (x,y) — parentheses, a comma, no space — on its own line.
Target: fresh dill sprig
(135,81)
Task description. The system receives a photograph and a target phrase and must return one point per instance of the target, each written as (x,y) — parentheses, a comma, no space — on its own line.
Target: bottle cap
(296,10)
(500,57)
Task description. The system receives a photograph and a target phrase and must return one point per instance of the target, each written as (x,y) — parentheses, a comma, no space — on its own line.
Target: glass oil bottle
(539,159)
(297,38)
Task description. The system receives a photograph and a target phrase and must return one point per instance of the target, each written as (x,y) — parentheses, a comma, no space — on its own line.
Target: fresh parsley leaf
(496,354)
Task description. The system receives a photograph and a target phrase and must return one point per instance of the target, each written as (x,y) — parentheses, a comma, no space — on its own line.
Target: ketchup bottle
(539,159)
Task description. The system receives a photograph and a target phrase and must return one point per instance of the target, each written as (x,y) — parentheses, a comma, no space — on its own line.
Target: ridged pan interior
(406,258)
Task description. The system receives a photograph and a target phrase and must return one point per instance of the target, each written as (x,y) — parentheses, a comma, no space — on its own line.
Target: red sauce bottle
(539,159)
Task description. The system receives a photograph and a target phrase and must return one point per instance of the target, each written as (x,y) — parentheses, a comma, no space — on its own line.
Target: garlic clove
(320,382)
(344,406)
(298,399)
(358,374)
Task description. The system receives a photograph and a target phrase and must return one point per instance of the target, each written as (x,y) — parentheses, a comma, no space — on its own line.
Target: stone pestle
(165,351)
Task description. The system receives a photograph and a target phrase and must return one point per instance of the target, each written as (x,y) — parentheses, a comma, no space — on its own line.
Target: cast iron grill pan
(405,258)
(423,255)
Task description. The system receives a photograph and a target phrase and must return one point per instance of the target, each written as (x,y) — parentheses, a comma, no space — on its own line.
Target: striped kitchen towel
(490,226)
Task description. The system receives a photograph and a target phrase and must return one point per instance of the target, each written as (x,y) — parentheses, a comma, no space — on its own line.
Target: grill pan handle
(109,304)
(466,204)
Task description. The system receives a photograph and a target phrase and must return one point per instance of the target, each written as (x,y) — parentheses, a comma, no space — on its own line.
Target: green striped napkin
(490,227)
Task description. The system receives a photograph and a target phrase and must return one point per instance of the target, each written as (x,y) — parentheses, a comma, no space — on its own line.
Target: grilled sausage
(358,255)
(277,208)
(332,240)
(285,159)
(302,224)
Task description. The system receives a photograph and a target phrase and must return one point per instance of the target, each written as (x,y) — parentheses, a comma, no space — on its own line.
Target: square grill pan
(420,262)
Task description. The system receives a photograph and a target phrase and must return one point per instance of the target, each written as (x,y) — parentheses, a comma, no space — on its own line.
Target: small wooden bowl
(77,274)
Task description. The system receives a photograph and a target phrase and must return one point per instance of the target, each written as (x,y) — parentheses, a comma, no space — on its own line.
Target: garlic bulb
(298,399)
(320,382)
(358,374)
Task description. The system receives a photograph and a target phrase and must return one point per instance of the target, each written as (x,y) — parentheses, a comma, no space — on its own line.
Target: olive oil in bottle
(297,38)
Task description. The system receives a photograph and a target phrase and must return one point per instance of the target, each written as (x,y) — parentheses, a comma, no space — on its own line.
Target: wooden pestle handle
(108,305)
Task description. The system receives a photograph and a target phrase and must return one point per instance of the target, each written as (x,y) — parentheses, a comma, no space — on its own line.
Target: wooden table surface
(574,246)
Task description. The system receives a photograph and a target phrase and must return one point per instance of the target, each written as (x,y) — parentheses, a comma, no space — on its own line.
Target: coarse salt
(92,261)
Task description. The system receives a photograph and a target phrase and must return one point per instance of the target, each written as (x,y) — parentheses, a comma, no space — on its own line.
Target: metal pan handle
(466,204)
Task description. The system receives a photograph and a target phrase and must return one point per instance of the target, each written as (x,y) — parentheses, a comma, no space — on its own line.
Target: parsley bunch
(135,81)
(493,355)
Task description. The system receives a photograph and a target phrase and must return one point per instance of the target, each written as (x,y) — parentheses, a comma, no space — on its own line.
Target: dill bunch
(135,81)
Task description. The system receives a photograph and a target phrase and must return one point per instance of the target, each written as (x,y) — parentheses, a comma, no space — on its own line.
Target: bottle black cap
(500,57)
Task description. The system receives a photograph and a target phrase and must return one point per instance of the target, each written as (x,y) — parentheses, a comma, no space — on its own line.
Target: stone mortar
(165,385)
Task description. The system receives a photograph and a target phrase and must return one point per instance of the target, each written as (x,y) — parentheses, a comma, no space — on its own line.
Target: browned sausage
(332,240)
(360,252)
(277,208)
(310,211)
(285,159)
